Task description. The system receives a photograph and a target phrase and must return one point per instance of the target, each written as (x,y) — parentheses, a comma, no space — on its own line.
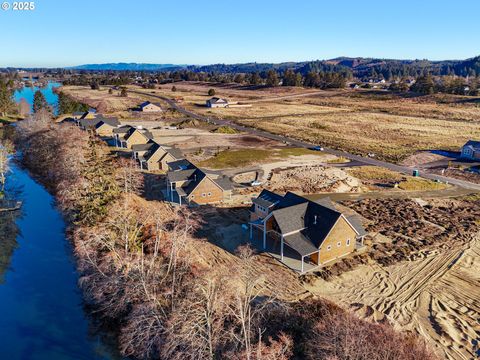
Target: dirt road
(436,295)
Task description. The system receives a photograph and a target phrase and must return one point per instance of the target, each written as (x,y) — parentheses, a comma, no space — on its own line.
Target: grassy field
(388,125)
(244,157)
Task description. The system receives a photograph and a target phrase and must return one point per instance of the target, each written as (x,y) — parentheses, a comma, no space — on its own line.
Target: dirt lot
(421,273)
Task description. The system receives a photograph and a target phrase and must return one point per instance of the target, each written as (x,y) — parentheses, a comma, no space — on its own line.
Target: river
(28,92)
(43,315)
(42,310)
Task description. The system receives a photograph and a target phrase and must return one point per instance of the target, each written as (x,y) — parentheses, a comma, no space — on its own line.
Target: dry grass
(391,126)
(418,184)
(374,173)
(248,156)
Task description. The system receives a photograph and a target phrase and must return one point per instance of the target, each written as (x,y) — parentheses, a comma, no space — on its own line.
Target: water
(28,92)
(42,316)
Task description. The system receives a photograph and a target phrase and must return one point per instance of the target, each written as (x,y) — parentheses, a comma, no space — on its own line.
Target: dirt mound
(421,158)
(312,179)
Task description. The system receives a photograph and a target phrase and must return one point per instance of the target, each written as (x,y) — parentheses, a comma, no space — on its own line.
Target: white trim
(348,222)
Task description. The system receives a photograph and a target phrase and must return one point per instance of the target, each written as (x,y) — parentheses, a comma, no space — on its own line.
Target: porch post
(251,231)
(281,248)
(302,263)
(264,235)
(180,200)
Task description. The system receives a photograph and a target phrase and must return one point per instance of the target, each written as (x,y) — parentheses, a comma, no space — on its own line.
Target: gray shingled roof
(290,218)
(176,153)
(300,243)
(180,175)
(267,198)
(356,222)
(143,147)
(473,143)
(224,182)
(122,129)
(182,164)
(113,121)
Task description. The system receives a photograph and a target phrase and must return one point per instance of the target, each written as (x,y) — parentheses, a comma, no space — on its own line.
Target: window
(209,194)
(203,194)
(339,243)
(348,242)
(193,197)
(329,247)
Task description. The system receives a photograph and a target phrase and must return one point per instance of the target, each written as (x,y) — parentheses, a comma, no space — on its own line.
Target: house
(138,150)
(147,106)
(157,157)
(215,102)
(315,231)
(88,124)
(471,150)
(90,114)
(182,164)
(105,126)
(194,186)
(127,136)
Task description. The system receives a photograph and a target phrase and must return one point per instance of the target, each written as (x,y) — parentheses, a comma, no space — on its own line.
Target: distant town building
(471,150)
(216,102)
(148,106)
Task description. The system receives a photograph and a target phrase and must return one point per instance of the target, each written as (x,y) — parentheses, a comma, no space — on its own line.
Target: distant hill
(356,66)
(127,67)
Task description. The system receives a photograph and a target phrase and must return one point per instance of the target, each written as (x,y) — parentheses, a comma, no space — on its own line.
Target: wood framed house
(471,150)
(128,136)
(157,157)
(194,187)
(216,102)
(314,233)
(138,150)
(148,106)
(104,127)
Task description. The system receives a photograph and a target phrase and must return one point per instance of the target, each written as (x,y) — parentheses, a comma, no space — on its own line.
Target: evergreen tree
(272,78)
(255,79)
(289,78)
(39,101)
(6,98)
(99,188)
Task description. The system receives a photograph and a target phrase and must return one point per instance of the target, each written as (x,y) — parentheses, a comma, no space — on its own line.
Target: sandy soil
(437,296)
(312,179)
(421,158)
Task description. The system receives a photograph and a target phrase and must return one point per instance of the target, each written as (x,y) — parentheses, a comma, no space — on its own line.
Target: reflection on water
(42,311)
(27,93)
(8,240)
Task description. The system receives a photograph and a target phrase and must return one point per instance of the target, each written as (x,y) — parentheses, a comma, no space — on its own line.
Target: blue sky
(73,32)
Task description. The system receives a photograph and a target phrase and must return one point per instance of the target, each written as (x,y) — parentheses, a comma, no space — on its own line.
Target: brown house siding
(105,130)
(341,232)
(206,186)
(135,139)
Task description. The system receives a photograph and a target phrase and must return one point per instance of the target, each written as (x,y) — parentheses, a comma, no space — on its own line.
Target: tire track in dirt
(437,296)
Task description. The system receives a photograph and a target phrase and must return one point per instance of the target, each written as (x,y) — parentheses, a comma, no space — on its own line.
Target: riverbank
(45,318)
(140,268)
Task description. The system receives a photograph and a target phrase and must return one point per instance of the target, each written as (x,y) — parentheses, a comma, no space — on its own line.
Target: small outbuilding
(471,150)
(216,102)
(148,106)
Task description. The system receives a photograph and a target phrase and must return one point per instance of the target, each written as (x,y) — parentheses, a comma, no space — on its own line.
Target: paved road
(298,143)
